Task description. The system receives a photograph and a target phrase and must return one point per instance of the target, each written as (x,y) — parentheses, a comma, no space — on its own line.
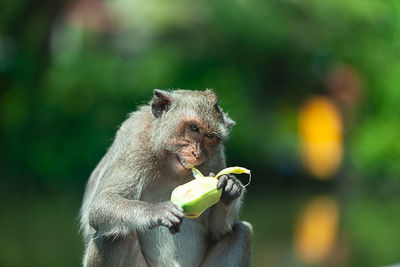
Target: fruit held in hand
(196,196)
(201,193)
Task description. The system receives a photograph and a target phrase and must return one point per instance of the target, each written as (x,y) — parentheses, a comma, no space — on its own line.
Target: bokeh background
(313,86)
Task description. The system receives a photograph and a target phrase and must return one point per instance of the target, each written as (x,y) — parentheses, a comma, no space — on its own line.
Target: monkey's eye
(194,128)
(210,135)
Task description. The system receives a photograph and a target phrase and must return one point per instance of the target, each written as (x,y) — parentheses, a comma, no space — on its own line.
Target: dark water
(325,227)
(291,228)
(40,231)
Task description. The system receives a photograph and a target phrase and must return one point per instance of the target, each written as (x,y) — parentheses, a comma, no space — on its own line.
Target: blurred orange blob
(316,231)
(320,130)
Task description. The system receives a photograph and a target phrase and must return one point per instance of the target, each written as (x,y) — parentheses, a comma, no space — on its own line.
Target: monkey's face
(189,126)
(194,143)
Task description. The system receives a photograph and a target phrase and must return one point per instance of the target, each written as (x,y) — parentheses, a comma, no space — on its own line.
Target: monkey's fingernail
(221,183)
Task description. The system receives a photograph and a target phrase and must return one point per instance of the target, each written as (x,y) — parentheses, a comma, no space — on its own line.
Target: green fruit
(198,195)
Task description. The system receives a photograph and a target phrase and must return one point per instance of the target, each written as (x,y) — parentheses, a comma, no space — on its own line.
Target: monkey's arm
(112,214)
(225,214)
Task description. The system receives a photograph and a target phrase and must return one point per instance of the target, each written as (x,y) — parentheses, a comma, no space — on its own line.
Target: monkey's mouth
(183,166)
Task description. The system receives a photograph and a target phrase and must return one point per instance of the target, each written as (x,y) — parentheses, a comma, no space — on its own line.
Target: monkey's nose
(196,154)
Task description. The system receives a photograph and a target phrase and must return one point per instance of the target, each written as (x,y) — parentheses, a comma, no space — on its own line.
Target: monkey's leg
(114,251)
(233,249)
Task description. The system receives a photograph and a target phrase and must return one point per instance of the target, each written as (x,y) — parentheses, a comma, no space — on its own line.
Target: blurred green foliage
(66,85)
(71,71)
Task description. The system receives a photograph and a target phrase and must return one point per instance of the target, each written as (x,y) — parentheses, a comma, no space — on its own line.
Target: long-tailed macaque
(126,216)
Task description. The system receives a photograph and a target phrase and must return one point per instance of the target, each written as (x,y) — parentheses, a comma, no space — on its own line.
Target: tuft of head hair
(200,105)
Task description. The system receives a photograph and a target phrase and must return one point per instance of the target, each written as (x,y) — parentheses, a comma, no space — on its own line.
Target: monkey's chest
(186,248)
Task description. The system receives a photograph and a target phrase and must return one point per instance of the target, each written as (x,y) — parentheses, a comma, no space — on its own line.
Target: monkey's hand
(231,186)
(167,214)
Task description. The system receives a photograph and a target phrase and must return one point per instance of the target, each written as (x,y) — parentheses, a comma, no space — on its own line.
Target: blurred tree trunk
(25,39)
(27,28)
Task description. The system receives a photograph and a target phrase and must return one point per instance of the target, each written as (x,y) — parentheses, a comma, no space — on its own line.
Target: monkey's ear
(229,123)
(161,102)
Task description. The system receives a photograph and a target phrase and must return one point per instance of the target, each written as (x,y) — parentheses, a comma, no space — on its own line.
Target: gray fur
(126,216)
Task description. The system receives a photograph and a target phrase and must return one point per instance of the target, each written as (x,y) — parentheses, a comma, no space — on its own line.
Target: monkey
(126,217)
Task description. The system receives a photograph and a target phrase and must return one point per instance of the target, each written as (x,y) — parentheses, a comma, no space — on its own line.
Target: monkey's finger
(178,214)
(211,174)
(169,225)
(177,211)
(176,223)
(181,217)
(178,208)
(177,227)
(229,186)
(222,181)
(241,189)
(174,219)
(180,220)
(174,206)
(236,191)
(171,229)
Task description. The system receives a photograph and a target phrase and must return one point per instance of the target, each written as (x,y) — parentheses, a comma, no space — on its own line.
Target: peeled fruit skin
(196,196)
